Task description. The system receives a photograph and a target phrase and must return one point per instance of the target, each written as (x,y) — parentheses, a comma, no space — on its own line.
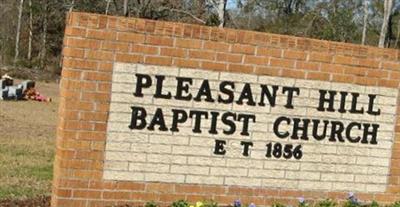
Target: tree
(336,22)
(30,31)
(21,5)
(108,6)
(72,5)
(398,34)
(220,7)
(43,52)
(221,12)
(388,4)
(40,31)
(126,12)
(365,22)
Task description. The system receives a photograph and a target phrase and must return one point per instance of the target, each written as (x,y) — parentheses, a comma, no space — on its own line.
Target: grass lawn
(25,167)
(27,143)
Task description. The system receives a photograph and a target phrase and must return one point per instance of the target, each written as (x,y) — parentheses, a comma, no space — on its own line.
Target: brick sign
(165,111)
(172,124)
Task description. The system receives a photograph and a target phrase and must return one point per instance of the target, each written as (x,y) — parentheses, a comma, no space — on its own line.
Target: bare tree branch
(398,34)
(108,6)
(21,5)
(233,21)
(365,23)
(184,12)
(221,12)
(30,31)
(43,52)
(72,5)
(386,14)
(189,14)
(213,3)
(126,11)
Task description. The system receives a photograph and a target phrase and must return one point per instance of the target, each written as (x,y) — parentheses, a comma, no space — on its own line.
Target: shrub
(180,203)
(374,204)
(395,204)
(210,203)
(303,205)
(278,205)
(237,203)
(350,203)
(302,202)
(326,203)
(151,204)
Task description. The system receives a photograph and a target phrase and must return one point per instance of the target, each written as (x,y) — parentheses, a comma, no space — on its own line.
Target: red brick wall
(92,44)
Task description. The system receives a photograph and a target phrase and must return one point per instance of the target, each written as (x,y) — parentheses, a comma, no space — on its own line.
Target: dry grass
(27,138)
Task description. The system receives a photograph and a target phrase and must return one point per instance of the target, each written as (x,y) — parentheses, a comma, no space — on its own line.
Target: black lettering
(297,128)
(229,92)
(373,133)
(178,116)
(315,129)
(371,106)
(183,86)
(197,119)
(277,122)
(246,118)
(204,91)
(213,128)
(159,94)
(270,96)
(348,132)
(219,147)
(353,108)
(142,81)
(291,91)
(230,123)
(246,94)
(246,147)
(336,131)
(138,113)
(342,108)
(330,100)
(158,119)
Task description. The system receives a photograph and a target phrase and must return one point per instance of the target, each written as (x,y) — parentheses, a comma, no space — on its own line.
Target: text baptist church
(229,122)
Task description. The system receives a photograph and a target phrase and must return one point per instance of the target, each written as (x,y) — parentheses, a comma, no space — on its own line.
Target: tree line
(31,31)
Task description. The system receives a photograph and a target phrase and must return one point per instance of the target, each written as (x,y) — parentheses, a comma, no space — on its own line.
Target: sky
(231,4)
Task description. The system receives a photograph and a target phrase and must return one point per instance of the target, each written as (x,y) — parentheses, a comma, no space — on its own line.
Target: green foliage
(212,20)
(150,204)
(25,164)
(323,203)
(395,204)
(18,191)
(349,203)
(25,63)
(326,203)
(209,203)
(278,205)
(338,26)
(41,172)
(374,204)
(180,203)
(339,20)
(304,204)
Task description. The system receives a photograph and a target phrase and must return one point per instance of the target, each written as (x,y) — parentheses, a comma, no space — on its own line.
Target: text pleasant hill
(228,122)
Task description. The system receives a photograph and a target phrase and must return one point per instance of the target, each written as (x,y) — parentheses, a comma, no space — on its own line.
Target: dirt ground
(40,201)
(27,144)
